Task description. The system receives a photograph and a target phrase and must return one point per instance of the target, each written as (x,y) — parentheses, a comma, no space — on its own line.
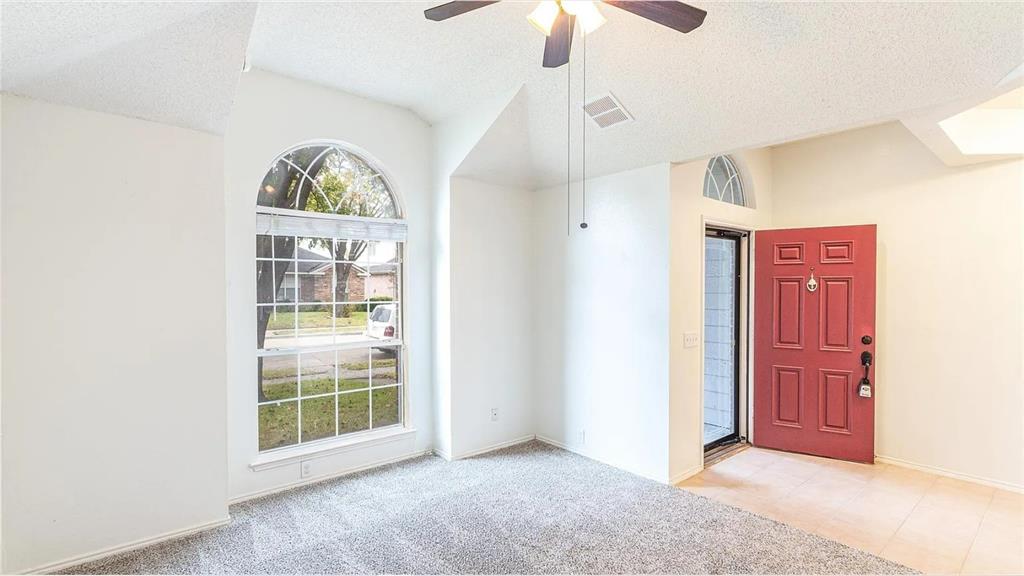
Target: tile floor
(930,523)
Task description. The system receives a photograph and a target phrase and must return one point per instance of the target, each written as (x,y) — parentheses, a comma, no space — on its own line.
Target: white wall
(494,319)
(602,302)
(691,212)
(1,344)
(452,141)
(272,114)
(950,389)
(113,331)
(577,338)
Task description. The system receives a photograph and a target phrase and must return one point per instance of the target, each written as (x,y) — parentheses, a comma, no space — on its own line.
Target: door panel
(788,314)
(834,396)
(787,396)
(824,415)
(836,314)
(789,253)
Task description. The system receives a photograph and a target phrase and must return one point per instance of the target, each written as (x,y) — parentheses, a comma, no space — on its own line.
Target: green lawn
(320,319)
(286,390)
(384,363)
(274,373)
(279,426)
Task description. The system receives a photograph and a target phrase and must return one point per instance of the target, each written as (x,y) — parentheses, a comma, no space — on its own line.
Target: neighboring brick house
(363,281)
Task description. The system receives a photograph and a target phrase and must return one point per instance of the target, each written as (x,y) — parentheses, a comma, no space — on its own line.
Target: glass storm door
(721,337)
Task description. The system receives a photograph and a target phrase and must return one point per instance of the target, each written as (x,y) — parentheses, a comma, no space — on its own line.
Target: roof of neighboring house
(384,268)
(311,267)
(305,266)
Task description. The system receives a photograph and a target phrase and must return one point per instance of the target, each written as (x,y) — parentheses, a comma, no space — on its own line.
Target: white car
(383,322)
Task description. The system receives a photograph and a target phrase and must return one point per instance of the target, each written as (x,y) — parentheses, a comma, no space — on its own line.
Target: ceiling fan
(556,19)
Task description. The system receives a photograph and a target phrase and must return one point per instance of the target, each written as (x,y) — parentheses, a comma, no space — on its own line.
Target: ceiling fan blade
(450,9)
(675,15)
(558,44)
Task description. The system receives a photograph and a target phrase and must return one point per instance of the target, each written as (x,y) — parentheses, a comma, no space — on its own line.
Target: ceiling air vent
(606,111)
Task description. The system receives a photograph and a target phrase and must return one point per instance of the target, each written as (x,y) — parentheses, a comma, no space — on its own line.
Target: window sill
(286,456)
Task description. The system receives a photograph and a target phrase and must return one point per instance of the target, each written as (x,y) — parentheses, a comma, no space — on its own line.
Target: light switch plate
(691,340)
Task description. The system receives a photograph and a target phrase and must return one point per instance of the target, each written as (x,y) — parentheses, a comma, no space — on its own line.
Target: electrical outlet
(691,340)
(305,469)
(582,437)
(494,414)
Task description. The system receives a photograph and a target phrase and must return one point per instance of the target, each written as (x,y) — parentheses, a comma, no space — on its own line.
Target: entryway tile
(959,495)
(997,549)
(941,530)
(770,484)
(1006,510)
(874,501)
(927,560)
(934,524)
(868,538)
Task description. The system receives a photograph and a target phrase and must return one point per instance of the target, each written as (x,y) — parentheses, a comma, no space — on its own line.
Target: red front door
(809,337)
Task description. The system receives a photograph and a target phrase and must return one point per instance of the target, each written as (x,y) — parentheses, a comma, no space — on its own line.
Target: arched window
(329,346)
(722,181)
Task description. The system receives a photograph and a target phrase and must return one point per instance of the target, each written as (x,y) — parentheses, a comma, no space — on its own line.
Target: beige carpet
(527,509)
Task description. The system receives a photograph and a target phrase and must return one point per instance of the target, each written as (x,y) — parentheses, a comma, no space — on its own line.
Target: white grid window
(328,303)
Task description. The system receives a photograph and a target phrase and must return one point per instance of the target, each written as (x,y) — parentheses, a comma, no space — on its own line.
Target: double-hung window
(329,347)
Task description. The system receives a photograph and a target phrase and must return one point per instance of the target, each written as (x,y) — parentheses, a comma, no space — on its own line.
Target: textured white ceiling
(176,63)
(753,74)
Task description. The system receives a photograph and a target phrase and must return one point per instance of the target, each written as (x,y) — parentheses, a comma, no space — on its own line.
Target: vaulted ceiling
(753,74)
(171,62)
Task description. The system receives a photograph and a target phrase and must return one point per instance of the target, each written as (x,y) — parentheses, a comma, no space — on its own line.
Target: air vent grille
(613,117)
(600,106)
(606,111)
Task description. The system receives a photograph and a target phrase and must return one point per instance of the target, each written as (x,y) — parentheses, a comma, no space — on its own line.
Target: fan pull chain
(584,224)
(568,149)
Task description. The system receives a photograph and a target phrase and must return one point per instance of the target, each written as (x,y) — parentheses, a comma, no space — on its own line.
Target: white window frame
(299,224)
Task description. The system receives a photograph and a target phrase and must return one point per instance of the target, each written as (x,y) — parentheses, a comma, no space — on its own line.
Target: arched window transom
(328,179)
(722,181)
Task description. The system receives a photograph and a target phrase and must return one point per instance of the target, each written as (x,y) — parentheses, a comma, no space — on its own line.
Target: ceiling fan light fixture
(544,15)
(586,13)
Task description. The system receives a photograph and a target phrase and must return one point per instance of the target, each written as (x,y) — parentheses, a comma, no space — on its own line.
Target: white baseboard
(686,474)
(141,543)
(586,454)
(376,463)
(492,447)
(330,476)
(560,444)
(575,450)
(950,474)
